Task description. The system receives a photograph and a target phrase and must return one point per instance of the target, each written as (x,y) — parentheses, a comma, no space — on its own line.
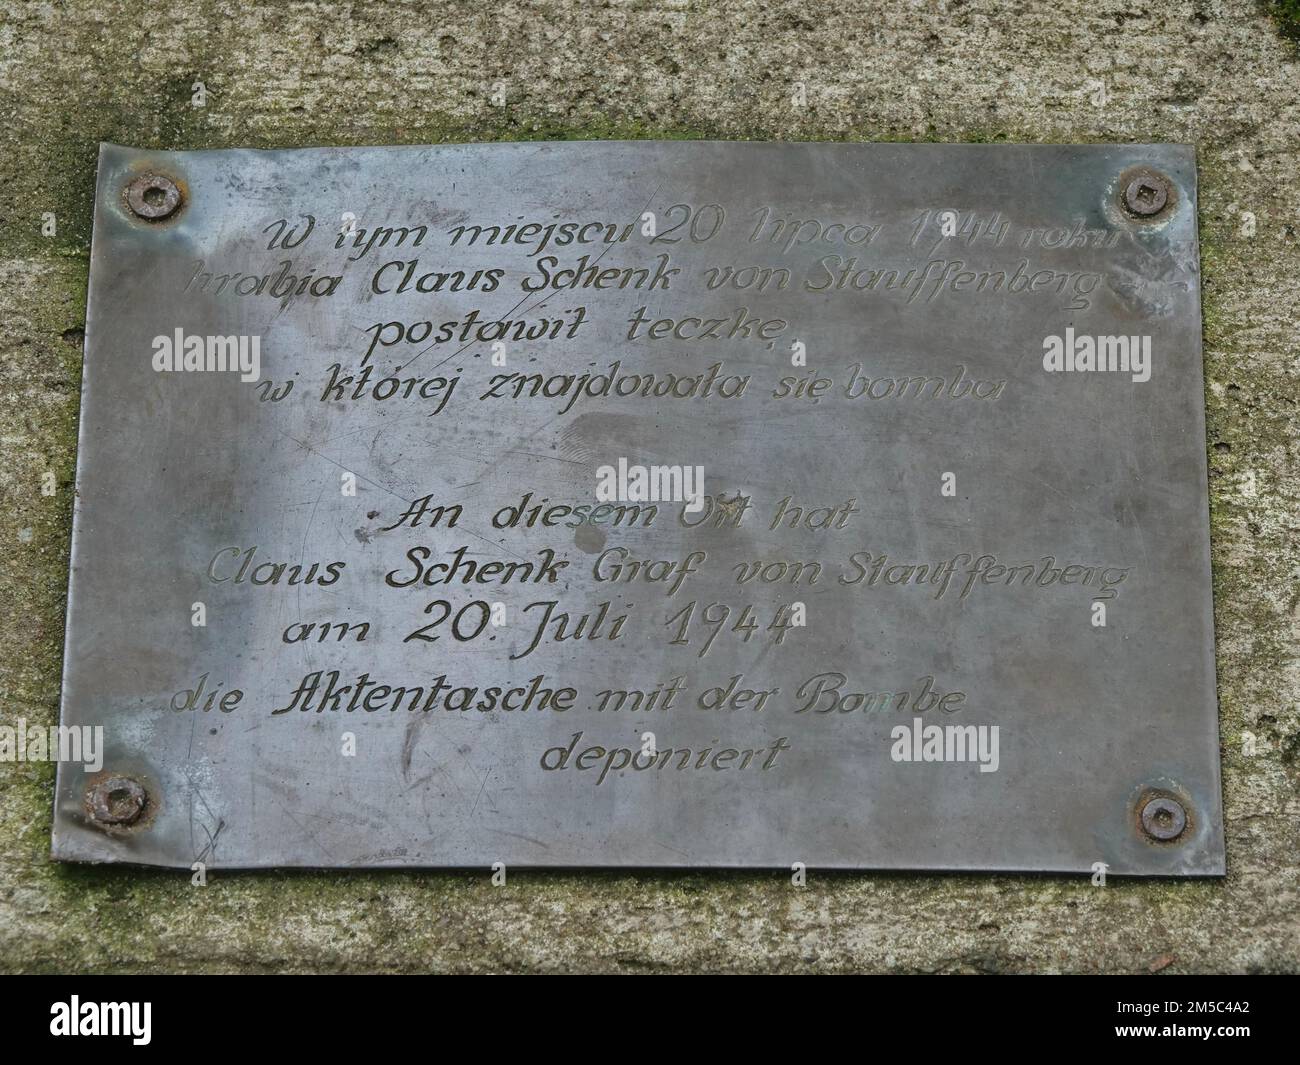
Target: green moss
(1287,14)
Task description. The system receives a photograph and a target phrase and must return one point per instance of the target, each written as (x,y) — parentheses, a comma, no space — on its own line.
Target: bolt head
(153,197)
(1146,195)
(116,800)
(1164,818)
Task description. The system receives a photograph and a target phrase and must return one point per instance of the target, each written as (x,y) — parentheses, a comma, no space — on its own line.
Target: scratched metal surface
(1094,469)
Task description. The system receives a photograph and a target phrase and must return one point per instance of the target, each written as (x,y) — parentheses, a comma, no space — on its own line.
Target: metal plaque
(644,504)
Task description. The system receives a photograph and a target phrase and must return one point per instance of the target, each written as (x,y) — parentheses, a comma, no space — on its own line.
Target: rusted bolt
(1146,194)
(153,197)
(1164,818)
(116,800)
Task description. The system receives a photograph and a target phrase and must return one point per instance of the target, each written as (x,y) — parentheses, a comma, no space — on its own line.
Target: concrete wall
(1216,73)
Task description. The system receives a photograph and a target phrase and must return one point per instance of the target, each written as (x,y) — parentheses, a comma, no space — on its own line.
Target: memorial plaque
(644,504)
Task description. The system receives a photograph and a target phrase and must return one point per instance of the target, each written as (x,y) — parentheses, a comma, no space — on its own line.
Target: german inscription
(644,504)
